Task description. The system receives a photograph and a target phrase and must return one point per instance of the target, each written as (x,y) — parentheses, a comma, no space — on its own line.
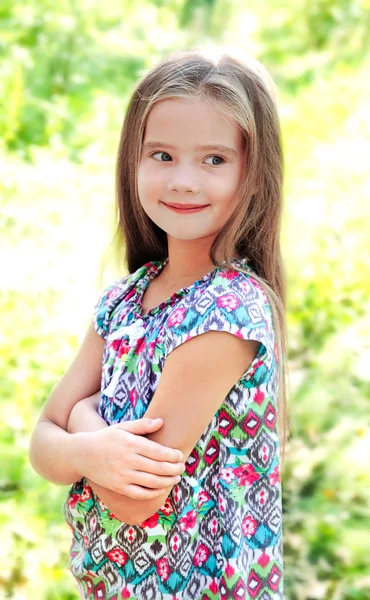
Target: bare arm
(187,377)
(55,454)
(84,415)
(118,458)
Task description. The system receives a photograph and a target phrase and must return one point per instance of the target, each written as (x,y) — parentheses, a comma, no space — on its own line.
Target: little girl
(187,506)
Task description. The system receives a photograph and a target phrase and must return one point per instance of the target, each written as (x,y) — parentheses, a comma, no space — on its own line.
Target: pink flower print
(246,474)
(125,594)
(229,571)
(117,556)
(151,348)
(140,346)
(275,476)
(227,474)
(229,274)
(249,526)
(163,569)
(86,493)
(151,522)
(188,521)
(133,397)
(203,497)
(124,348)
(167,507)
(228,301)
(72,500)
(176,317)
(115,345)
(201,555)
(213,587)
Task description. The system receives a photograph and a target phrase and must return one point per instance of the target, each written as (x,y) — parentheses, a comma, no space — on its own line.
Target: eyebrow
(218,147)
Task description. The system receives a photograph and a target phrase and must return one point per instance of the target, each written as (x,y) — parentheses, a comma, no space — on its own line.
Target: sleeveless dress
(218,535)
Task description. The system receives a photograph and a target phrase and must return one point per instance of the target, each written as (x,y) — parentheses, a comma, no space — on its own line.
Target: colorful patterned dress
(218,535)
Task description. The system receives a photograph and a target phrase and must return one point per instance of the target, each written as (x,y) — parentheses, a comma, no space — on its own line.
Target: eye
(165,153)
(219,158)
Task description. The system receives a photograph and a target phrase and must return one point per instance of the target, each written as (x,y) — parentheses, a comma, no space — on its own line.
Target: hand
(121,459)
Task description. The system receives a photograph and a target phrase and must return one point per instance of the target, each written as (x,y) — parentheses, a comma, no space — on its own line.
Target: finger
(159,467)
(140,426)
(150,448)
(158,452)
(153,481)
(139,493)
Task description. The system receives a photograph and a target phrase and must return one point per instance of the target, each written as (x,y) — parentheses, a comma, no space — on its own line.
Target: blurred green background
(67,70)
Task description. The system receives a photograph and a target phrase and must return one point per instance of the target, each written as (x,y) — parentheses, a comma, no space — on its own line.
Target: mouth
(185,208)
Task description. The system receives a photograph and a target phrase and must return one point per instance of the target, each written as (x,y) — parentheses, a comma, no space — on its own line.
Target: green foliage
(66,73)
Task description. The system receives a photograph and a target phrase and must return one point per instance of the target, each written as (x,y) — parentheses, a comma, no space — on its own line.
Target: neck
(188,260)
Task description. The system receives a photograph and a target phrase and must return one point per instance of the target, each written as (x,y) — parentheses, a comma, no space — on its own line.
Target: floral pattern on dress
(219,532)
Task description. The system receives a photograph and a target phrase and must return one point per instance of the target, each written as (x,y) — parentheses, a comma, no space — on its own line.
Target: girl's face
(192,154)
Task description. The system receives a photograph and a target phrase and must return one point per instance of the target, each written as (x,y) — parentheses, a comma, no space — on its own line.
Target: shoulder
(230,300)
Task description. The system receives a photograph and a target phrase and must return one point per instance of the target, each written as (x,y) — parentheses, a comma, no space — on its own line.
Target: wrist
(78,450)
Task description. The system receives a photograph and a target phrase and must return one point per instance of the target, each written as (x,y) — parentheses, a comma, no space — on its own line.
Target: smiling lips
(185,208)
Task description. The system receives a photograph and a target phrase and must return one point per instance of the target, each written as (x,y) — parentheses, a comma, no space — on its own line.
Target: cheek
(224,193)
(148,183)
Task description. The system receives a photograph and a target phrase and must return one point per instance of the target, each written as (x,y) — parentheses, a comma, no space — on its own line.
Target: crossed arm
(196,378)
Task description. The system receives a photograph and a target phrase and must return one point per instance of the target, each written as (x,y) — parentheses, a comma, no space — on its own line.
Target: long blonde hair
(243,88)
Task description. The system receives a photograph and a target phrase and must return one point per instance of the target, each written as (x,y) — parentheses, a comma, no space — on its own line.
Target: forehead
(191,119)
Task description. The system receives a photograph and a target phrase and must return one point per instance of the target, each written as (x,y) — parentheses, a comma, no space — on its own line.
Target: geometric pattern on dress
(209,527)
(263,450)
(131,538)
(185,565)
(177,543)
(111,576)
(197,585)
(147,588)
(96,552)
(235,532)
(274,521)
(235,401)
(121,396)
(93,529)
(221,534)
(181,495)
(261,499)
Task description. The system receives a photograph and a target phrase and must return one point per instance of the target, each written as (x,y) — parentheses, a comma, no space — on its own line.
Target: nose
(183,180)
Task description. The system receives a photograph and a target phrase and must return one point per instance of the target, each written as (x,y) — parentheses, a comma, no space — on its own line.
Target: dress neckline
(153,268)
